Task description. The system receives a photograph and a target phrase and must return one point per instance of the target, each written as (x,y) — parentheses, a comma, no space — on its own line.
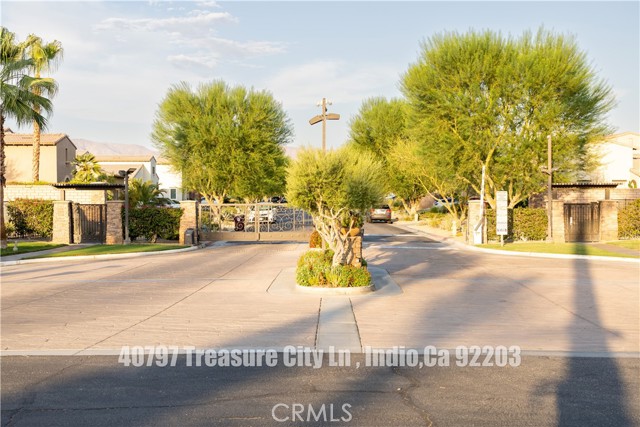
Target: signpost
(502,215)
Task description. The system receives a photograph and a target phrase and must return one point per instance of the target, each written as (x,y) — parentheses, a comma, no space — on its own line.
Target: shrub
(315,241)
(523,224)
(152,222)
(315,269)
(629,221)
(31,217)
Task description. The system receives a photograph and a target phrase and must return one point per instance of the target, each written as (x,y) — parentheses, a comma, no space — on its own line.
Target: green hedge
(153,222)
(629,221)
(523,224)
(31,217)
(315,269)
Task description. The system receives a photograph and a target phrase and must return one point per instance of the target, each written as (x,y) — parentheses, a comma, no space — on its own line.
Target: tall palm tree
(44,57)
(17,101)
(87,169)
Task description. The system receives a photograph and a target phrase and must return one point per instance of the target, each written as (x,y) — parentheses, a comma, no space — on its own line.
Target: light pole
(126,174)
(549,171)
(323,118)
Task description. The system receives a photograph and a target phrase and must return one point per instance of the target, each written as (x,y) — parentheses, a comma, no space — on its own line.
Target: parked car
(441,203)
(380,213)
(278,199)
(267,214)
(168,203)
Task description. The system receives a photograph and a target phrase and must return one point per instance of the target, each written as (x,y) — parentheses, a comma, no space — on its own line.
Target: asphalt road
(193,299)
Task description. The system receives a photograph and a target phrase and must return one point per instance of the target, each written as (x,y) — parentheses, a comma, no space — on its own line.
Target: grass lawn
(116,249)
(555,248)
(628,244)
(24,247)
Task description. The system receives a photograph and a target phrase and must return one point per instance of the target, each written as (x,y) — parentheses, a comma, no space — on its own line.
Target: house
(145,166)
(57,152)
(619,157)
(170,181)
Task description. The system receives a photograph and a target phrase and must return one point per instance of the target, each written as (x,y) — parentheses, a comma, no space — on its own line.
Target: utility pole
(549,171)
(323,118)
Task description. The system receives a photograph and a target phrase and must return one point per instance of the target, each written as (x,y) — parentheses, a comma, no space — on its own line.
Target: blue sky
(121,57)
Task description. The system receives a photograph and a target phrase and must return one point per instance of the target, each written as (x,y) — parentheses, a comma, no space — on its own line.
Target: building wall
(585,195)
(53,167)
(170,180)
(615,163)
(66,153)
(48,192)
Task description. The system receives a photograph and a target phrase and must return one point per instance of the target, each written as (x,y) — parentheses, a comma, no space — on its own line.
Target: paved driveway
(217,297)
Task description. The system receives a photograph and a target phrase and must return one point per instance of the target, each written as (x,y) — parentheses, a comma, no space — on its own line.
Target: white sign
(502,216)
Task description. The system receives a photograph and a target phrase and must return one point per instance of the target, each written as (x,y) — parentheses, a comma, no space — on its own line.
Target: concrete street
(227,296)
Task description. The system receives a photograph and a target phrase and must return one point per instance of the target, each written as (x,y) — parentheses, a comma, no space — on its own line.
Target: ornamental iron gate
(254,222)
(582,222)
(89,223)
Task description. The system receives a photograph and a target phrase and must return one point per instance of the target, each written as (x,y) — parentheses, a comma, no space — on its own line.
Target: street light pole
(126,174)
(549,171)
(323,118)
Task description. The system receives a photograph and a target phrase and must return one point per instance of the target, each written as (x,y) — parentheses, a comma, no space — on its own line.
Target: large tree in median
(44,57)
(224,140)
(481,99)
(336,188)
(18,101)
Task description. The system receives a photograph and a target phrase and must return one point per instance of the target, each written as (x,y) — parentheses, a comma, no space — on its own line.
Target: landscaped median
(114,249)
(570,248)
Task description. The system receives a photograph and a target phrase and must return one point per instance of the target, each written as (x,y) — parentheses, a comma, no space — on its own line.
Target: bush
(315,269)
(31,217)
(523,224)
(152,222)
(629,221)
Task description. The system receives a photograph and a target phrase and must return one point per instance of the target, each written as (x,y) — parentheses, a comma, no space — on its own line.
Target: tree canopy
(224,140)
(483,99)
(336,188)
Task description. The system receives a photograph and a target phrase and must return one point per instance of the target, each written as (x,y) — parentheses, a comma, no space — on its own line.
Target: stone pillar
(557,215)
(62,222)
(189,219)
(474,215)
(355,242)
(77,229)
(114,222)
(608,220)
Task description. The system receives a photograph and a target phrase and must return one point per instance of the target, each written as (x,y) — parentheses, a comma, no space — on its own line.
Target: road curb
(98,257)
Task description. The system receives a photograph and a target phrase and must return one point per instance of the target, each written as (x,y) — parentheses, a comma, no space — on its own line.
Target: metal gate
(254,222)
(582,222)
(89,223)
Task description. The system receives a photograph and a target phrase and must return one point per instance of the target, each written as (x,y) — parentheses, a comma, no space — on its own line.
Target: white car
(267,214)
(168,203)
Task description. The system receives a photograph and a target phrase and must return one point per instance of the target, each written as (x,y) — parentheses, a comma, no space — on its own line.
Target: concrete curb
(98,257)
(460,245)
(362,290)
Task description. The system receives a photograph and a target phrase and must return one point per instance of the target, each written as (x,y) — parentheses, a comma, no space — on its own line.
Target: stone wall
(584,195)
(114,223)
(48,192)
(608,220)
(188,220)
(557,221)
(62,226)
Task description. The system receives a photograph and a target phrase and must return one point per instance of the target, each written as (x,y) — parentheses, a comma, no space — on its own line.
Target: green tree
(225,141)
(480,99)
(378,128)
(44,57)
(336,188)
(18,101)
(143,193)
(87,169)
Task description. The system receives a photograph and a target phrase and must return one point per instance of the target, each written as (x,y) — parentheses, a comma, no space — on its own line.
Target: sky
(120,58)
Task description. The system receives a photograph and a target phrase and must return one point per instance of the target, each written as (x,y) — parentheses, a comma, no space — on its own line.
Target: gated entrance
(89,223)
(254,222)
(582,222)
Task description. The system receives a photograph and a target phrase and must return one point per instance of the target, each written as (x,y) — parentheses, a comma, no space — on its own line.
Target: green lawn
(628,244)
(24,247)
(116,249)
(555,248)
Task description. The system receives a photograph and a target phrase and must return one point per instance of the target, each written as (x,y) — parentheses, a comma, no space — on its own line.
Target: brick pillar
(75,221)
(557,215)
(114,222)
(62,222)
(189,219)
(473,217)
(608,220)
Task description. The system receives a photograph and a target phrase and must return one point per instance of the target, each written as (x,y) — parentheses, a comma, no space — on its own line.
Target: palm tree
(18,102)
(143,192)
(87,169)
(45,57)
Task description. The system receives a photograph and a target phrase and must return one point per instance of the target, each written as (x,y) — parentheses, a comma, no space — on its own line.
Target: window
(153,170)
(173,193)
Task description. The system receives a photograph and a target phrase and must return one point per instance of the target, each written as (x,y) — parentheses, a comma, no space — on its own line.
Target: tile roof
(27,138)
(125,159)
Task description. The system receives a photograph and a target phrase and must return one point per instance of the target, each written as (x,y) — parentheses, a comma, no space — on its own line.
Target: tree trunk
(3,230)
(35,164)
